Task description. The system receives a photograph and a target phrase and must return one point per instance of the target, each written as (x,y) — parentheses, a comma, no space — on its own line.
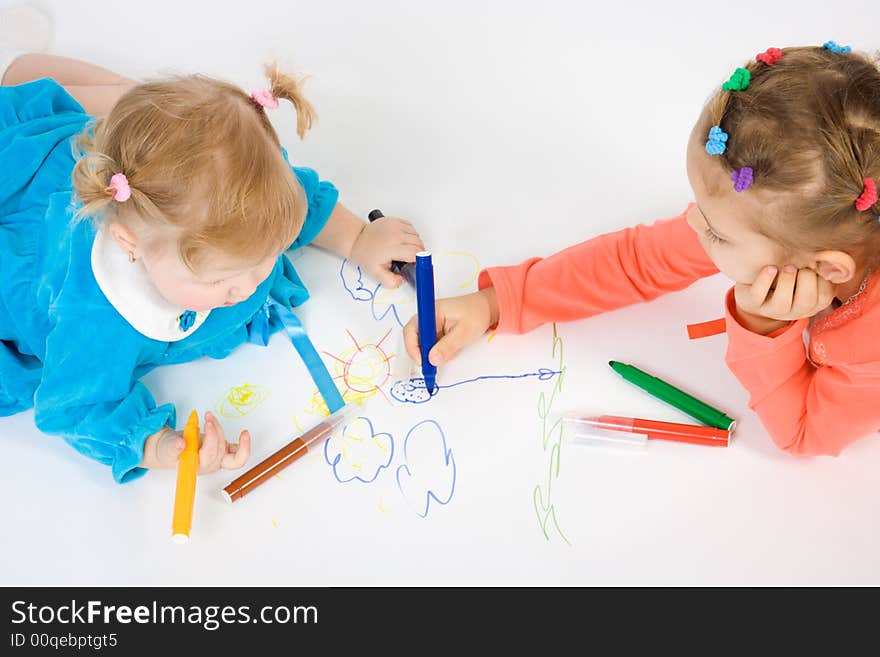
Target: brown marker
(293,450)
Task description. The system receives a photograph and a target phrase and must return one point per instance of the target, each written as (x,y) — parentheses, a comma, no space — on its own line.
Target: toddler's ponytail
(91,174)
(285,86)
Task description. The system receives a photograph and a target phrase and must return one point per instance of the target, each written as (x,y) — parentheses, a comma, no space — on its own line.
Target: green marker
(674,397)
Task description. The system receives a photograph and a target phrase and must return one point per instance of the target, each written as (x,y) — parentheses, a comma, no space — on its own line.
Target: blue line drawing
(428,472)
(355,287)
(359,452)
(413,391)
(353,281)
(456,272)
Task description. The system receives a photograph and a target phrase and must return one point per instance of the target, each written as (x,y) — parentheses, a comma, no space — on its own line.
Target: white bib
(130,291)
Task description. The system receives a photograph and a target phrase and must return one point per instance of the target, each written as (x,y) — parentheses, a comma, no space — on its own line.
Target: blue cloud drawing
(359,452)
(428,471)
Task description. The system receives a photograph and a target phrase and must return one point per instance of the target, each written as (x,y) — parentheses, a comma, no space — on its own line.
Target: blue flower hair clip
(717,142)
(186,320)
(833,47)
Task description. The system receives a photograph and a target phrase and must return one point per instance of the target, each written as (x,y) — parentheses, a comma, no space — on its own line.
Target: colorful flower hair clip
(769,56)
(186,320)
(738,81)
(265,99)
(742,178)
(833,47)
(868,196)
(122,190)
(717,142)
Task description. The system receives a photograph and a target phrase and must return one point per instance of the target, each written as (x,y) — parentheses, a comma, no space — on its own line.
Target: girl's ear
(125,238)
(835,266)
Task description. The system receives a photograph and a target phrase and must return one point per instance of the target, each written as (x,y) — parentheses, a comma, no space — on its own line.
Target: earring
(131,257)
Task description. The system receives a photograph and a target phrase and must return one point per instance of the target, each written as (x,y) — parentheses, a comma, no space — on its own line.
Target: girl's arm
(607,272)
(96,89)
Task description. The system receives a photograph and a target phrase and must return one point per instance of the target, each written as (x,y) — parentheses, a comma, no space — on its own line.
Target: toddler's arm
(330,225)
(607,272)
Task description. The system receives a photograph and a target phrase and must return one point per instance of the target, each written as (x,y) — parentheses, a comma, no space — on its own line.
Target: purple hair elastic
(742,178)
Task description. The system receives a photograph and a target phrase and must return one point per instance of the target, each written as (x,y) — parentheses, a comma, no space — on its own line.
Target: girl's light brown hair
(809,126)
(204,165)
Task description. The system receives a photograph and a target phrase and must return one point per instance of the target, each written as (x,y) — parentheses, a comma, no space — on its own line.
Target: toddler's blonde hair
(204,165)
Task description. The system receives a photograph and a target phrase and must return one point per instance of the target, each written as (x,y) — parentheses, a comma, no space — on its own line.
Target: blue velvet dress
(64,349)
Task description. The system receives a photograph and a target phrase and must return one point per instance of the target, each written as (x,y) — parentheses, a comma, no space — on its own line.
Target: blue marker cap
(427,321)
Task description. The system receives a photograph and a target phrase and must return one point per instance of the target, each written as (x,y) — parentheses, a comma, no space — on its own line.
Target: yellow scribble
(279,476)
(241,400)
(298,425)
(472,277)
(274,523)
(491,335)
(382,508)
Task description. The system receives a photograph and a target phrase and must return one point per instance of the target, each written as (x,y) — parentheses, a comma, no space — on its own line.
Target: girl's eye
(713,237)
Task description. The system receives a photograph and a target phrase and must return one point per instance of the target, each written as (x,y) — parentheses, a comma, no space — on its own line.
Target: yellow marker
(187,471)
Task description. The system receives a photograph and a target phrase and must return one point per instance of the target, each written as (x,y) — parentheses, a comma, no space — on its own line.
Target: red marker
(614,429)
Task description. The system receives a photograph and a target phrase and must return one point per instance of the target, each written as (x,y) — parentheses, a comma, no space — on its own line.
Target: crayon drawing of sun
(360,373)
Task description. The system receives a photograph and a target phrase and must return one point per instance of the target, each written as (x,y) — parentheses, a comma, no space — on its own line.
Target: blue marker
(425,307)
(405,269)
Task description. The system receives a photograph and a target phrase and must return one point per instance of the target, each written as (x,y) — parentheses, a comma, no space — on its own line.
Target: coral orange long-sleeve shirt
(814,403)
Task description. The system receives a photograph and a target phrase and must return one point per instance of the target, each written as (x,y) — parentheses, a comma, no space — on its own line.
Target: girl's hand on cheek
(763,307)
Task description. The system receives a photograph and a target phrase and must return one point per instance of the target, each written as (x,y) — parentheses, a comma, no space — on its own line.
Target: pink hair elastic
(119,183)
(868,197)
(265,99)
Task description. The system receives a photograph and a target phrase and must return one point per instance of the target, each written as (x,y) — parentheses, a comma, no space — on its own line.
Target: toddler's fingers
(410,231)
(210,451)
(826,293)
(169,450)
(782,298)
(411,339)
(806,293)
(760,288)
(406,252)
(413,241)
(387,278)
(238,454)
(448,346)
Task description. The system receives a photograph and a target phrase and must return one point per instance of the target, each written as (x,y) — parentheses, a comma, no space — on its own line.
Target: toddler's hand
(798,293)
(162,450)
(382,241)
(460,322)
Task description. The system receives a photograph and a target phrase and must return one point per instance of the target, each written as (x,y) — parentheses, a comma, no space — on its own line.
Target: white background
(505,129)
